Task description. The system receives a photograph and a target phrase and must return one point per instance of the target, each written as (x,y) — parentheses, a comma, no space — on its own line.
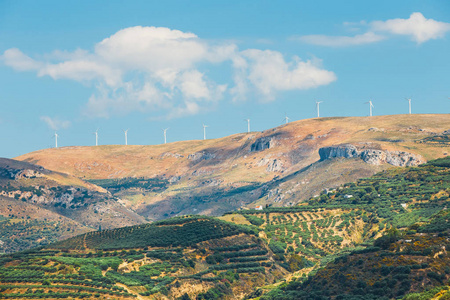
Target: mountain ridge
(218,175)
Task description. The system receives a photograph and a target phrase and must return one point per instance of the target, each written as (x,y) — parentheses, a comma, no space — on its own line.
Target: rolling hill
(281,166)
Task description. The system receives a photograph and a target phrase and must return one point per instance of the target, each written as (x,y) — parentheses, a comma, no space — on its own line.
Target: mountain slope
(33,198)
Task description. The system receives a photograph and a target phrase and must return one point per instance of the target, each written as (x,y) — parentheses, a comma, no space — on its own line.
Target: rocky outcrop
(169,154)
(203,155)
(275,166)
(346,150)
(262,144)
(16,174)
(372,156)
(272,165)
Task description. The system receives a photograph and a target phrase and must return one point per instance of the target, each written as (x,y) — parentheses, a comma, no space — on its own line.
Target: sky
(73,67)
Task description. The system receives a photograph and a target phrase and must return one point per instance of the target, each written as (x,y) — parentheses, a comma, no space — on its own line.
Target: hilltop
(281,166)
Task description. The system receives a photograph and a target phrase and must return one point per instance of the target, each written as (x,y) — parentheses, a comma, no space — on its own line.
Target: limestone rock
(372,156)
(275,166)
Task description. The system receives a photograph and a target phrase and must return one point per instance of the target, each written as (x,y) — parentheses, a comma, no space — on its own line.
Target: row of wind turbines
(285,120)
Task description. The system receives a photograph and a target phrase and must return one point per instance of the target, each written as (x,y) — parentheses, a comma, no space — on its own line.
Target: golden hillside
(200,174)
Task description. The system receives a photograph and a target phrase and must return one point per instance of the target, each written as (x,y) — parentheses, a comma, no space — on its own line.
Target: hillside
(384,236)
(281,166)
(192,256)
(407,265)
(39,206)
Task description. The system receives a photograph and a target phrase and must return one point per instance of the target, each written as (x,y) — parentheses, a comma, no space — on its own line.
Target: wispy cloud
(419,28)
(341,41)
(55,123)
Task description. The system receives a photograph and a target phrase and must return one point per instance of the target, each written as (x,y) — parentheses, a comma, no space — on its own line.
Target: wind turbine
(409,101)
(204,131)
(56,139)
(370,107)
(286,118)
(165,137)
(318,108)
(126,136)
(248,124)
(96,137)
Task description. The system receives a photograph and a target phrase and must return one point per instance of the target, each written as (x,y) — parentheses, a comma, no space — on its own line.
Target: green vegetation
(152,258)
(18,234)
(148,184)
(182,231)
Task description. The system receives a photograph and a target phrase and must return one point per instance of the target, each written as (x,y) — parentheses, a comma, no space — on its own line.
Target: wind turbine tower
(409,102)
(318,108)
(370,107)
(286,118)
(96,137)
(165,136)
(126,136)
(248,125)
(56,140)
(204,131)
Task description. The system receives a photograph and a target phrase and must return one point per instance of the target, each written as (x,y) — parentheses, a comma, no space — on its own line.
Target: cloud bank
(157,69)
(417,27)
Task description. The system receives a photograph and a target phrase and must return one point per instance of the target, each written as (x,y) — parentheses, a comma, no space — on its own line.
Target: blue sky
(75,66)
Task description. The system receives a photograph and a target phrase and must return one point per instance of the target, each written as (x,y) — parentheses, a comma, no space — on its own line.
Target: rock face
(372,156)
(262,144)
(346,150)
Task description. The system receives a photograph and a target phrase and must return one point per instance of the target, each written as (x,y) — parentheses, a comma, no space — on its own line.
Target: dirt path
(138,296)
(84,242)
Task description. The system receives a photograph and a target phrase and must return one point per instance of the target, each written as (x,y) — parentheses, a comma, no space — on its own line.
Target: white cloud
(417,26)
(341,41)
(55,123)
(152,69)
(82,70)
(15,59)
(268,72)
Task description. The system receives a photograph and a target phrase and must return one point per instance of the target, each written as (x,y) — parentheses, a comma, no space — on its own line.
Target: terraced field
(188,255)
